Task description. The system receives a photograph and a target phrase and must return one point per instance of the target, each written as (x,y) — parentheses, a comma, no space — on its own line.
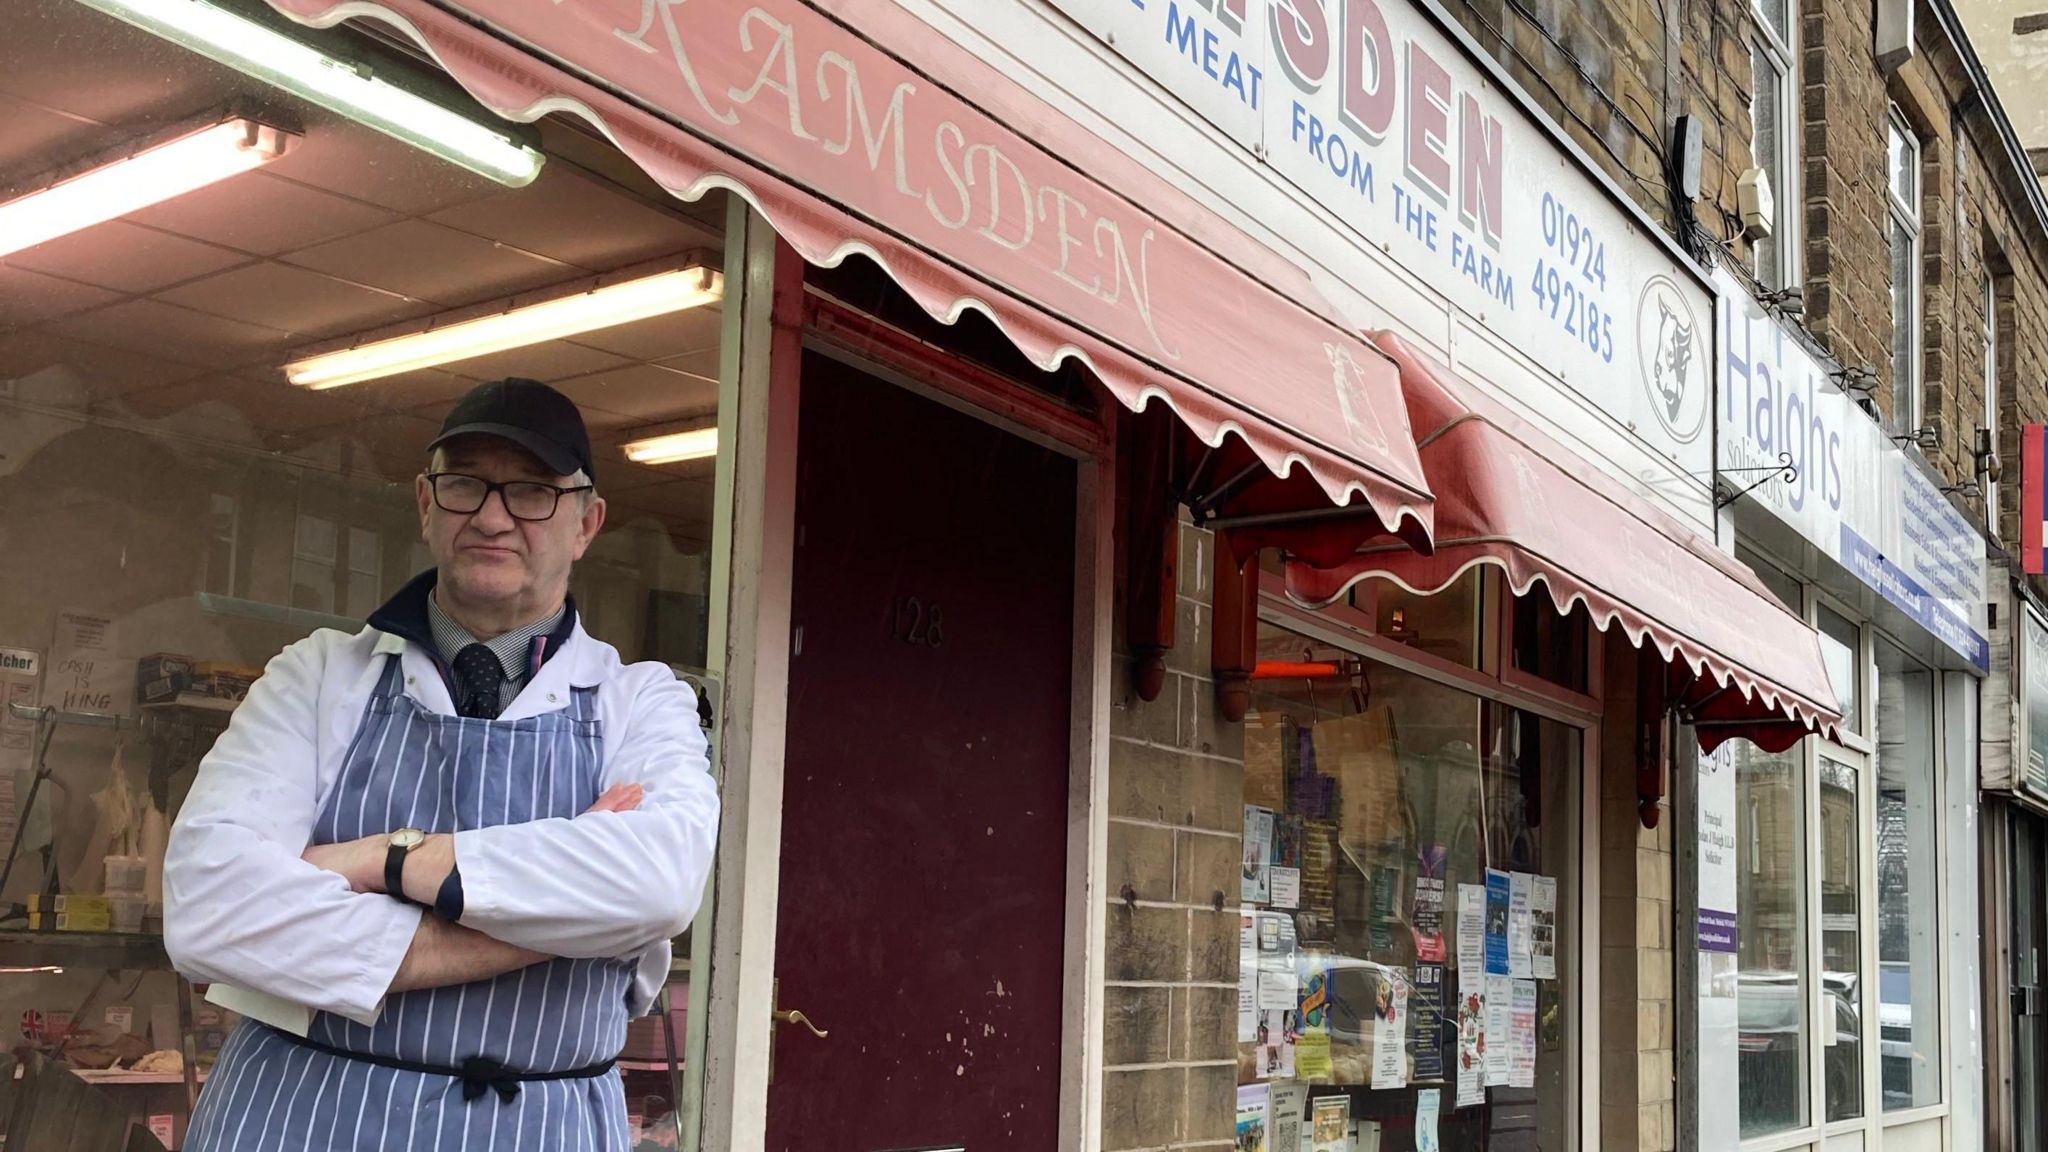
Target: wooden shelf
(121,1076)
(20,948)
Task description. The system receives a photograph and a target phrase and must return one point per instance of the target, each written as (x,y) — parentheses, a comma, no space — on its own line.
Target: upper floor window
(1991,395)
(1772,140)
(1903,198)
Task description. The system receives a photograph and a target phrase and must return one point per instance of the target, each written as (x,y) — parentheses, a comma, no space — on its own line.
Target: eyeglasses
(524,499)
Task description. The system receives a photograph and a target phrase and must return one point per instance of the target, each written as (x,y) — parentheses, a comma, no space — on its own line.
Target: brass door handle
(794,1016)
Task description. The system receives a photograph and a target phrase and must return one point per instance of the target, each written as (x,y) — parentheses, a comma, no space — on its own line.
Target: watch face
(407,838)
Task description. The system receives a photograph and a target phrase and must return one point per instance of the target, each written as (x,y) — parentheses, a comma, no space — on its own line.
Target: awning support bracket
(1204,506)
(1784,469)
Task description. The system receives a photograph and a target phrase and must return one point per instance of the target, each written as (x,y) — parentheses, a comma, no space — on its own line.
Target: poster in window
(2035,676)
(1428,1103)
(1498,887)
(1252,1107)
(1258,855)
(1331,1124)
(1247,975)
(1471,929)
(1426,1023)
(86,674)
(1500,994)
(1427,917)
(1520,962)
(1543,927)
(1273,1045)
(1286,1115)
(1471,1043)
(1522,1034)
(1390,1030)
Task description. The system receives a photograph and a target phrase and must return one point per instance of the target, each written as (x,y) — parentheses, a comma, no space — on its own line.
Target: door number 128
(912,621)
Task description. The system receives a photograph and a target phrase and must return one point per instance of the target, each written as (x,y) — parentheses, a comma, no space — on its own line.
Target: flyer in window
(1500,993)
(1258,855)
(1315,1000)
(1253,1105)
(1427,917)
(1426,1023)
(1273,1046)
(1277,988)
(1247,975)
(1428,1102)
(1286,1114)
(1471,1044)
(1331,1124)
(1390,1030)
(1498,887)
(1312,1058)
(1471,929)
(1543,927)
(1520,963)
(1522,1034)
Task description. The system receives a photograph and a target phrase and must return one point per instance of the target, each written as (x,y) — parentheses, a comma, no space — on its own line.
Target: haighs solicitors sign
(1377,115)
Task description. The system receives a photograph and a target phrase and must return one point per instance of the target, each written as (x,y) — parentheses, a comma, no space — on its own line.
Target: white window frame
(1905,212)
(1857,751)
(1991,396)
(1782,50)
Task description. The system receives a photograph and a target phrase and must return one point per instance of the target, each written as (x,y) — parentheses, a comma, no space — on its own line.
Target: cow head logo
(1673,365)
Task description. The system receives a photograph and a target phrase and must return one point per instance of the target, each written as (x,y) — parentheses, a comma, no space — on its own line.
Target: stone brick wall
(1176,787)
(1638,1091)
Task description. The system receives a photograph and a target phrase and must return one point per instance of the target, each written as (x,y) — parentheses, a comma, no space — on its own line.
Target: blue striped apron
(412,768)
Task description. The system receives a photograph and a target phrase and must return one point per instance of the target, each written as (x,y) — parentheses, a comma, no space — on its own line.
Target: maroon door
(921,916)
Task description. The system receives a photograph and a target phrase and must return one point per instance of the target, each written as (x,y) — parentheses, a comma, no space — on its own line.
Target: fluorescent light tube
(336,85)
(674,447)
(149,176)
(516,327)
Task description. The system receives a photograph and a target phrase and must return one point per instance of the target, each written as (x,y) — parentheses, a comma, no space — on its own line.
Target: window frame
(1496,680)
(1905,214)
(1991,390)
(1781,51)
(1858,752)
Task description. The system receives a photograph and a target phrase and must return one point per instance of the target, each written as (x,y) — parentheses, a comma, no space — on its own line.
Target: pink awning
(845,148)
(1509,496)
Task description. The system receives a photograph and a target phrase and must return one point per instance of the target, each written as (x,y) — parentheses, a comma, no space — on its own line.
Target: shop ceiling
(198,300)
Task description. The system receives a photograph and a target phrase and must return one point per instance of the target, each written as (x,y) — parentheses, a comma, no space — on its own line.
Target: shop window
(1409,894)
(1841,941)
(1449,625)
(1550,645)
(1903,209)
(1773,143)
(1841,649)
(1771,903)
(1908,870)
(1774,579)
(176,512)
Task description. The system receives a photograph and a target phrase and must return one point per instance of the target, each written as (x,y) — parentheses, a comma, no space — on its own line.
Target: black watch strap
(394,873)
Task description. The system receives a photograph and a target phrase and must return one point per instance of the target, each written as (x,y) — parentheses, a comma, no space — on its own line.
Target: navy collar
(405,616)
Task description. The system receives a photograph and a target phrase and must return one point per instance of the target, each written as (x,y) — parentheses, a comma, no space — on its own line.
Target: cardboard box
(66,902)
(161,676)
(101,921)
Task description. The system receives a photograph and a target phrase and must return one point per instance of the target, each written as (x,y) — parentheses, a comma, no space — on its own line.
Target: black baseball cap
(529,414)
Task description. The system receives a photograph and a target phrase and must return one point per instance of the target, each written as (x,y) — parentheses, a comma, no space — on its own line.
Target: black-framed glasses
(463,494)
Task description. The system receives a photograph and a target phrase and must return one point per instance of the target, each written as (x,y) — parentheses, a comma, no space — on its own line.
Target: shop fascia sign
(1860,499)
(1373,112)
(2034,700)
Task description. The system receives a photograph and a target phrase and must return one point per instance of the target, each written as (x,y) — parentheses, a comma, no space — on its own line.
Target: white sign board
(1859,498)
(1719,1043)
(1373,112)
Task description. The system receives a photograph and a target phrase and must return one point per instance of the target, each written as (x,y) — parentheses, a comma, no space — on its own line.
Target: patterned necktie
(477,677)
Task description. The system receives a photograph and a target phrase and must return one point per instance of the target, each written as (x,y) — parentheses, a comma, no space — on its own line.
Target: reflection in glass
(1841,942)
(1841,650)
(1771,992)
(1390,793)
(1908,987)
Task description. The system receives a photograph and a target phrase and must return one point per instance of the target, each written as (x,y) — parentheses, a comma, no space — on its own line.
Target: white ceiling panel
(254,213)
(167,330)
(430,262)
(549,362)
(533,218)
(347,159)
(660,336)
(107,371)
(127,257)
(294,300)
(640,394)
(31,297)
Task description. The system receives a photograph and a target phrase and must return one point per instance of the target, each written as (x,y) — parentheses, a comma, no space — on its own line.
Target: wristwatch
(402,842)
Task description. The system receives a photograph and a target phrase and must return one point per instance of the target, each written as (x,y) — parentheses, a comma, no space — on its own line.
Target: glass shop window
(1549,645)
(1409,895)
(1841,939)
(176,509)
(1771,917)
(1908,873)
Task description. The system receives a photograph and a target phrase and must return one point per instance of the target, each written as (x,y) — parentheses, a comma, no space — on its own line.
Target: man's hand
(361,862)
